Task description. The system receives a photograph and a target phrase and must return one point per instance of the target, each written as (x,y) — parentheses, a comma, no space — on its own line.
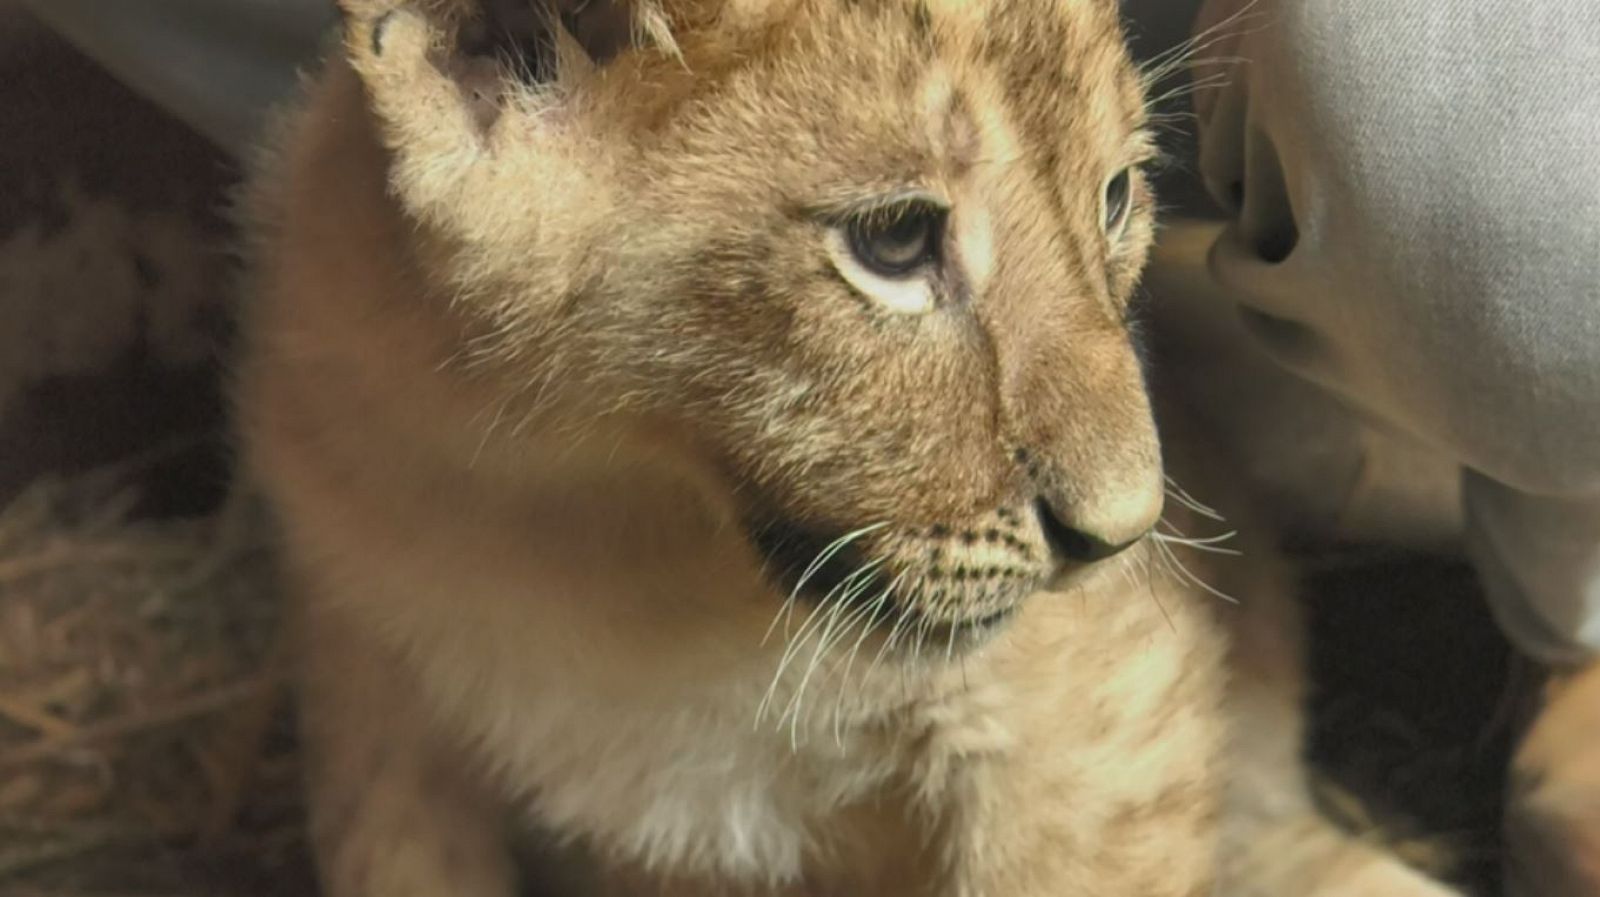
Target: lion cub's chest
(1095,683)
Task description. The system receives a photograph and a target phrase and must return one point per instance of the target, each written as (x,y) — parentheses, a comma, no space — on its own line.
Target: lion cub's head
(869,259)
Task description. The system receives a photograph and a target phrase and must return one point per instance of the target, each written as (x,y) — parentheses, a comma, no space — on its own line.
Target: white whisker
(1184,574)
(888,644)
(1209,82)
(949,643)
(827,553)
(824,643)
(1190,502)
(871,610)
(1209,546)
(797,640)
(1162,65)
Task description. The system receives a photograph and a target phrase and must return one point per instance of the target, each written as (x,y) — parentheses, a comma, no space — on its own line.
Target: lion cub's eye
(890,254)
(1118,199)
(896,242)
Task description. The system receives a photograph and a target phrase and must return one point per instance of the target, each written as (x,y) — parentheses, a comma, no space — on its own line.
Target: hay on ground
(143,740)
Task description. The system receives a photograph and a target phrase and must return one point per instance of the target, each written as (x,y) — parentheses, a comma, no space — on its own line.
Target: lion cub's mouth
(935,588)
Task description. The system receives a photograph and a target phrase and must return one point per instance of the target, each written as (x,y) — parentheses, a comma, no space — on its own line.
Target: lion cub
(712,458)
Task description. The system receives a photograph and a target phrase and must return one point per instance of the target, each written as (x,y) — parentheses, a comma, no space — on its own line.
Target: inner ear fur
(523,33)
(485,45)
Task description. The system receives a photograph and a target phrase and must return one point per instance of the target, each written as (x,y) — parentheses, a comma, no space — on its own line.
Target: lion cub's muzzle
(936,584)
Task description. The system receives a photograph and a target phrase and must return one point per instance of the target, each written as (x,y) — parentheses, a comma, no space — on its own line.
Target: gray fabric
(1438,164)
(1436,168)
(1539,557)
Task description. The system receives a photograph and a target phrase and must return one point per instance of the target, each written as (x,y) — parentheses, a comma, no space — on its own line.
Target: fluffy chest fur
(690,751)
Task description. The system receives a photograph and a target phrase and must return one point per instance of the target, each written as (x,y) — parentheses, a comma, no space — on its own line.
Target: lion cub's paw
(1384,877)
(1390,880)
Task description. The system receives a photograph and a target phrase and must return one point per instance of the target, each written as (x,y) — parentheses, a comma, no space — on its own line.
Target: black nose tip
(1075,544)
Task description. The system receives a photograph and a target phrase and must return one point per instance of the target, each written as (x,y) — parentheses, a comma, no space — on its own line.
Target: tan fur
(534,368)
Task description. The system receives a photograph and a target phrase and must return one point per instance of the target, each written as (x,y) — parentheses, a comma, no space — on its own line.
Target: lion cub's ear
(437,65)
(465,92)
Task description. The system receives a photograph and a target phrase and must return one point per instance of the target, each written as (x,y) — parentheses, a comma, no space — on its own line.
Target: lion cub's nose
(1083,536)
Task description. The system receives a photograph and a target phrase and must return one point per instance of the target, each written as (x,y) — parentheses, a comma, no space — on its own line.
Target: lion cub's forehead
(972,70)
(1057,61)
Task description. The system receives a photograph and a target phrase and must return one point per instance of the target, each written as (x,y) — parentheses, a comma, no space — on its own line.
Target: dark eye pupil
(1118,195)
(896,243)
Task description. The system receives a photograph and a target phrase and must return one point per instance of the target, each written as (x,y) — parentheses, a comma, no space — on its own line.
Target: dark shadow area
(1416,700)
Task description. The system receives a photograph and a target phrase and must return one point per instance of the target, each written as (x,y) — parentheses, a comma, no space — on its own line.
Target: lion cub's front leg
(394,813)
(1030,837)
(1099,771)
